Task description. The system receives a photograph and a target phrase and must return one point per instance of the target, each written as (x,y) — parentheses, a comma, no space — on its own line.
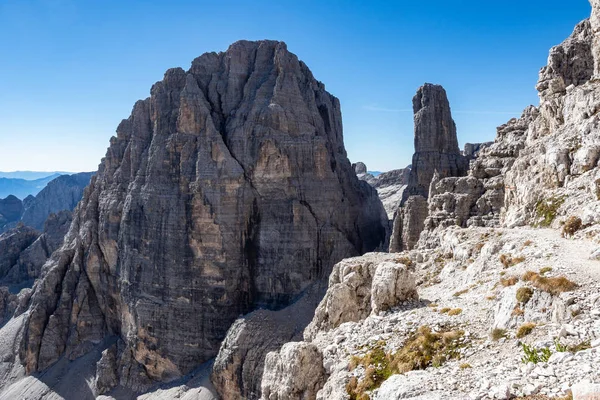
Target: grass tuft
(510,281)
(554,286)
(525,329)
(498,334)
(510,261)
(423,349)
(524,295)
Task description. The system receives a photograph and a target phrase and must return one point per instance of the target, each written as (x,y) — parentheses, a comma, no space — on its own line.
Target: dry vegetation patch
(524,295)
(554,285)
(423,349)
(510,281)
(525,329)
(509,261)
(572,225)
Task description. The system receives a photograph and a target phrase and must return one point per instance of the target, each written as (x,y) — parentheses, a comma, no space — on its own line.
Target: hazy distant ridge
(32,175)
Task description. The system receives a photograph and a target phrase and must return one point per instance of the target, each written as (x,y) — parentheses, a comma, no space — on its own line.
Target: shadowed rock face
(27,263)
(11,209)
(227,189)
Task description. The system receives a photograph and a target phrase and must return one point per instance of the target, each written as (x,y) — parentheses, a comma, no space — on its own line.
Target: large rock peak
(435,129)
(208,204)
(436,154)
(436,143)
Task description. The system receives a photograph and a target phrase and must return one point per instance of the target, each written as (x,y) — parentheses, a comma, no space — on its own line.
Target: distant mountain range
(22,188)
(32,175)
(61,194)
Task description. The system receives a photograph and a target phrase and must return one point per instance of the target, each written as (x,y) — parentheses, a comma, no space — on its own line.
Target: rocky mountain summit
(208,205)
(207,261)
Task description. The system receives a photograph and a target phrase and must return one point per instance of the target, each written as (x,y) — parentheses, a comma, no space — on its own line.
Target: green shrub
(533,355)
(546,210)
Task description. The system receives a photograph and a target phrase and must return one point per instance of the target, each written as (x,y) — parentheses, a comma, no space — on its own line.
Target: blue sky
(72,69)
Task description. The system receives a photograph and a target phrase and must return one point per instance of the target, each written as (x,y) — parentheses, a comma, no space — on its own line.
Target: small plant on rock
(510,281)
(455,311)
(546,210)
(559,346)
(533,355)
(545,270)
(518,311)
(404,260)
(498,334)
(423,349)
(525,329)
(572,225)
(510,261)
(524,295)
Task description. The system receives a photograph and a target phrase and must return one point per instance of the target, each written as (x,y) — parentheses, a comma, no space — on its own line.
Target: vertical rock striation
(436,143)
(208,204)
(436,152)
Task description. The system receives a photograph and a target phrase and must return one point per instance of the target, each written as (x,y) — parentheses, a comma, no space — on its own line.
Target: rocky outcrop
(27,266)
(238,368)
(62,193)
(436,152)
(472,150)
(12,245)
(436,143)
(294,373)
(208,204)
(359,168)
(561,153)
(409,222)
(361,286)
(358,288)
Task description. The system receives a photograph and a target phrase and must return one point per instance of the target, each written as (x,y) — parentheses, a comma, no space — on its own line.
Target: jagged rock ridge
(208,204)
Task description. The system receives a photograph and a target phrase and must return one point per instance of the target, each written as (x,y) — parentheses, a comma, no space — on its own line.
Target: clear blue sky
(72,69)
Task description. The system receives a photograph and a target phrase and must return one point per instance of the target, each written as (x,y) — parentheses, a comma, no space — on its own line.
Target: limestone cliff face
(436,153)
(436,143)
(227,189)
